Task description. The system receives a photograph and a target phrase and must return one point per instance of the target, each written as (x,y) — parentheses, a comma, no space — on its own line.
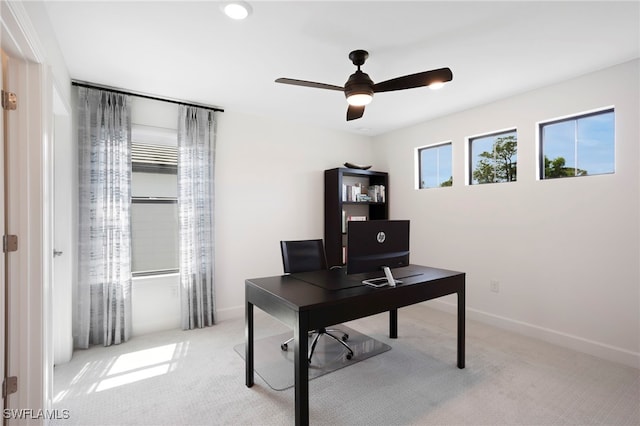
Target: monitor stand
(389,275)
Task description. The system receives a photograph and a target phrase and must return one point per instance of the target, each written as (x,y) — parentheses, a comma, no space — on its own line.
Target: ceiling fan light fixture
(359,99)
(359,89)
(237,10)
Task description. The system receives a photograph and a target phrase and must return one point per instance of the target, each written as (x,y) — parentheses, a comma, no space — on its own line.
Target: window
(434,166)
(493,158)
(154,203)
(578,146)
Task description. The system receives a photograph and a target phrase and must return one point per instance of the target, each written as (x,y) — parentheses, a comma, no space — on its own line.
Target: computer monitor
(373,244)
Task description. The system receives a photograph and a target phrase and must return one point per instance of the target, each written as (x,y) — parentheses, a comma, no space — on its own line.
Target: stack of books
(347,218)
(357,193)
(377,193)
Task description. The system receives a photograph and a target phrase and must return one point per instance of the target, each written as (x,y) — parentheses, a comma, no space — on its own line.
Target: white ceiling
(191,51)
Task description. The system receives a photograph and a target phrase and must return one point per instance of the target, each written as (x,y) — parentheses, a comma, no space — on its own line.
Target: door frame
(28,210)
(3,289)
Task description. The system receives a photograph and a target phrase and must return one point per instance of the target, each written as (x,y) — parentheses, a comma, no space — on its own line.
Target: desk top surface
(303,291)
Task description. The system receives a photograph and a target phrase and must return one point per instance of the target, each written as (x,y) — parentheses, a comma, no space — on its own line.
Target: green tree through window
(499,164)
(556,169)
(448,182)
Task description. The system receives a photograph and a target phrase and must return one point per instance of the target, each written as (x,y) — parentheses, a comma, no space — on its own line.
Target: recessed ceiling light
(435,86)
(237,10)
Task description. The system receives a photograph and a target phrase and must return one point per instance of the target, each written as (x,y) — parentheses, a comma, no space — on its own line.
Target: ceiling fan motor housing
(359,83)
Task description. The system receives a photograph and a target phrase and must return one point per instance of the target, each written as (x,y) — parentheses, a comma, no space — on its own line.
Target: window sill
(144,277)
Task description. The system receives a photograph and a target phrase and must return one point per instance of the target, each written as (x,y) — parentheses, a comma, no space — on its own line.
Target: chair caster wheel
(284,347)
(345,337)
(349,356)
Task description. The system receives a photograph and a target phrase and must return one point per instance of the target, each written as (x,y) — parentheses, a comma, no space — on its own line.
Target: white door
(64,191)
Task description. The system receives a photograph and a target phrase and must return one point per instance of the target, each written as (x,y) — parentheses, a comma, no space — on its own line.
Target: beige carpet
(196,378)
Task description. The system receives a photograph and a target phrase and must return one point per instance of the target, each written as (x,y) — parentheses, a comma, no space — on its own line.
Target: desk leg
(301,369)
(461,321)
(248,347)
(393,323)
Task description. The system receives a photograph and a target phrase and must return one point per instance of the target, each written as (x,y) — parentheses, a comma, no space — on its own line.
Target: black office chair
(306,256)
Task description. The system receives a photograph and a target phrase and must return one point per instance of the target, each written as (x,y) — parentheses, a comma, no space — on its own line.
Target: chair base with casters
(305,256)
(319,333)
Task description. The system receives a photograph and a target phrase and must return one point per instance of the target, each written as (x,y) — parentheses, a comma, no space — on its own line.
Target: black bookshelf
(337,200)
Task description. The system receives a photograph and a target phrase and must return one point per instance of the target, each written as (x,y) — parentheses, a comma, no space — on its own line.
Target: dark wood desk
(305,306)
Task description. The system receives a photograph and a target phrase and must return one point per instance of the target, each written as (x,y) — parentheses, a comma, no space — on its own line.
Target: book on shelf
(348,218)
(352,192)
(377,194)
(358,193)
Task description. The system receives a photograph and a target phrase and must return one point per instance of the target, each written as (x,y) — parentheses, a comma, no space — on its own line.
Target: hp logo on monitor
(381,237)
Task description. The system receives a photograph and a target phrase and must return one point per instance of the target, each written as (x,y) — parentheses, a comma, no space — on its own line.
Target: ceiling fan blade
(309,84)
(355,112)
(415,80)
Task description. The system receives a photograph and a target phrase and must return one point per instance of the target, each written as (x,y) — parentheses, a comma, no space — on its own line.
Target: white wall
(155,304)
(565,251)
(270,187)
(65,235)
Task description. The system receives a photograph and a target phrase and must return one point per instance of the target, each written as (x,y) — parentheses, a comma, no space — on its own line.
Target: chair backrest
(303,256)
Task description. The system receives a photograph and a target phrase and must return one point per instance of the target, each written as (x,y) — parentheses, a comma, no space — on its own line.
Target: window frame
(572,117)
(419,163)
(469,153)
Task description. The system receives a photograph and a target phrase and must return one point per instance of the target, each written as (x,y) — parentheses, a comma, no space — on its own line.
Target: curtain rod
(142,95)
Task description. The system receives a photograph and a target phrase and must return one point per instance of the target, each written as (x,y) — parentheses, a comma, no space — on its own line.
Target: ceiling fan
(359,88)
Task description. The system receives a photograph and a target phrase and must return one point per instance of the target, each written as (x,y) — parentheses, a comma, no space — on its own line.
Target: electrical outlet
(494,286)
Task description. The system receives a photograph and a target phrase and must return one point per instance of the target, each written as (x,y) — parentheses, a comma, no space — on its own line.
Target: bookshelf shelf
(341,186)
(361,203)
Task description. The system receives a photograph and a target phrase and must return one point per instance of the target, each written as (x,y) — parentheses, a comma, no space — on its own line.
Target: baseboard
(555,337)
(230,313)
(235,312)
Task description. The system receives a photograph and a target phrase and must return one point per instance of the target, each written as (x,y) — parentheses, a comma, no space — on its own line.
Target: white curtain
(196,154)
(103,308)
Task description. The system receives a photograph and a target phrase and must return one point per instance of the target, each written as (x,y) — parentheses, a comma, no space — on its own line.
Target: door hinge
(9,243)
(9,386)
(9,100)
